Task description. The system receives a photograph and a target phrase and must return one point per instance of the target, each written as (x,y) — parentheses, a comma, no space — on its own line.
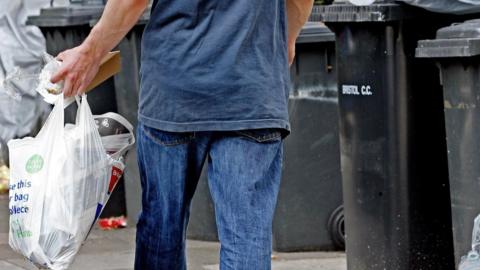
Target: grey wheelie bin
(457,50)
(306,217)
(392,138)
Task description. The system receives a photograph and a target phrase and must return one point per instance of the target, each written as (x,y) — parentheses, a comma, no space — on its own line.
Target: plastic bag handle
(63,103)
(55,119)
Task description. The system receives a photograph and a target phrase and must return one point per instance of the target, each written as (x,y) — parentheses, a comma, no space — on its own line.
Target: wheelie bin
(392,138)
(456,49)
(310,193)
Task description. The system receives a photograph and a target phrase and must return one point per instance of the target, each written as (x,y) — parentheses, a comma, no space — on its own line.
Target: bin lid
(315,32)
(379,11)
(142,21)
(71,15)
(457,40)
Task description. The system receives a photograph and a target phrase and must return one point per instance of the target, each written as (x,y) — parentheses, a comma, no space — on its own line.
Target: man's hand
(79,67)
(81,64)
(297,14)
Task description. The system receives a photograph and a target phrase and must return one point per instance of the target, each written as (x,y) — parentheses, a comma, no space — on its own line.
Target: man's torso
(215,65)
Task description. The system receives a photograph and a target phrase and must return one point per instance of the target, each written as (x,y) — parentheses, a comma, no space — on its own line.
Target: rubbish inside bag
(45,87)
(116,133)
(472,260)
(61,180)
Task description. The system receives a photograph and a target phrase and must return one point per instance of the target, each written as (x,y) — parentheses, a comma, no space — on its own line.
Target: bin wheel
(336,228)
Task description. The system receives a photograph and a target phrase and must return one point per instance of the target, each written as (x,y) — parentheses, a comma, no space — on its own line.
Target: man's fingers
(75,87)
(73,78)
(86,79)
(62,72)
(82,88)
(81,85)
(60,75)
(67,88)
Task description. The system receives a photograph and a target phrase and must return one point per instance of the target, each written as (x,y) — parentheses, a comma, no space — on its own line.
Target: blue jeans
(244,169)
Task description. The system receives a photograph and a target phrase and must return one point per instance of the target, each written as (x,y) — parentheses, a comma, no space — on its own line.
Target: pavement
(114,250)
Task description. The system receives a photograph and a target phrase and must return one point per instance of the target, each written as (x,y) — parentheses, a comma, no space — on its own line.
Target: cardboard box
(110,65)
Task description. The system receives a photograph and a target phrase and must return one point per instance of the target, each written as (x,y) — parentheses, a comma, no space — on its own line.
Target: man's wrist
(93,45)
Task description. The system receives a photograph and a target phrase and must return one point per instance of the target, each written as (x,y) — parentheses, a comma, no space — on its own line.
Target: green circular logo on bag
(34,164)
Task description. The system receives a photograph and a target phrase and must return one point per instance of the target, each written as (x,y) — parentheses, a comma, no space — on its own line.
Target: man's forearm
(119,16)
(298,12)
(81,64)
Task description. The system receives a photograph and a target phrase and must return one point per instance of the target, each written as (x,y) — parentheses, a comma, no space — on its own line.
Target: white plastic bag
(60,182)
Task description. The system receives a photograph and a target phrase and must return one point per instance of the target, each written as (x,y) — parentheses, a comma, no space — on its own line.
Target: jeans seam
(176,142)
(264,138)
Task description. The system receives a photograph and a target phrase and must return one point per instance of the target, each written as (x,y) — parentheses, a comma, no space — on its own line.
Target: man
(214,87)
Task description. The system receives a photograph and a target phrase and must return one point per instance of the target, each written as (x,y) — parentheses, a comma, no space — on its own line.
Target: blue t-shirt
(215,65)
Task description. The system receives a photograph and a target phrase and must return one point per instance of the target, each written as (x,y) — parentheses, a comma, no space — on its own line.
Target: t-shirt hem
(214,125)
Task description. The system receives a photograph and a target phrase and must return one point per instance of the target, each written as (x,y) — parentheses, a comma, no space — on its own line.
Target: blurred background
(383,156)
